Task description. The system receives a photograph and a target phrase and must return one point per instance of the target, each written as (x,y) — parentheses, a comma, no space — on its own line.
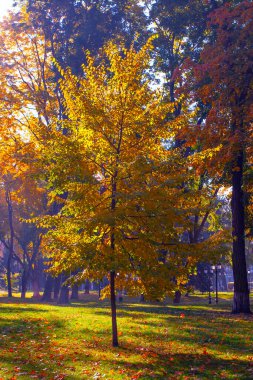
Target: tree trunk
(35,283)
(177,297)
(99,289)
(120,297)
(8,268)
(24,281)
(115,342)
(74,292)
(64,293)
(34,270)
(87,287)
(47,294)
(11,244)
(57,287)
(241,303)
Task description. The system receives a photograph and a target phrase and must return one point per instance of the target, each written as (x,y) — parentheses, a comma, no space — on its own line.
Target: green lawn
(190,341)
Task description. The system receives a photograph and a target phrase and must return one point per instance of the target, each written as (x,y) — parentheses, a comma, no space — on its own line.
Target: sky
(4,6)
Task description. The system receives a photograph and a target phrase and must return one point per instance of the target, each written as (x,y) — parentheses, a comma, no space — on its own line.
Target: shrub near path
(192,341)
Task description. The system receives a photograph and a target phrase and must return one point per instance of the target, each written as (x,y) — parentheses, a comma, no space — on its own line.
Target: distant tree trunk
(11,243)
(120,296)
(241,303)
(57,287)
(224,281)
(47,294)
(87,287)
(8,268)
(177,297)
(74,292)
(35,282)
(115,342)
(99,289)
(36,288)
(34,269)
(64,293)
(24,281)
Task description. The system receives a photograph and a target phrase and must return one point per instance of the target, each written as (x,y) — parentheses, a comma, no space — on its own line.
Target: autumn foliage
(107,172)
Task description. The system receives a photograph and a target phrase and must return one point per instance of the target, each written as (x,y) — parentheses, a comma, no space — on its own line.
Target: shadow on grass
(175,366)
(21,309)
(214,338)
(146,311)
(26,347)
(68,346)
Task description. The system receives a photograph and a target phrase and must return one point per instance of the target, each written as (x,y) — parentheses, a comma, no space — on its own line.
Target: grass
(190,341)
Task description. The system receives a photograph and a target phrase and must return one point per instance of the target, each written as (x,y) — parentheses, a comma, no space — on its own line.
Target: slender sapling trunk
(115,342)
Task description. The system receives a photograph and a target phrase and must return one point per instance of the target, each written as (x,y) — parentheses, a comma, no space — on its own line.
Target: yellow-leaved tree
(124,210)
(28,102)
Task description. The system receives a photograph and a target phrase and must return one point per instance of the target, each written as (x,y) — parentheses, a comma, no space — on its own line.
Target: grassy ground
(190,341)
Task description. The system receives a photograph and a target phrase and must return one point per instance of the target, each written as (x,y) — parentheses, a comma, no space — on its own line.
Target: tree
(25,59)
(224,81)
(71,26)
(181,26)
(125,211)
(28,104)
(7,231)
(182,33)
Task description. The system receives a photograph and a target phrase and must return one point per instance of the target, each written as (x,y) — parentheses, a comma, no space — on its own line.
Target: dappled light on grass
(156,342)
